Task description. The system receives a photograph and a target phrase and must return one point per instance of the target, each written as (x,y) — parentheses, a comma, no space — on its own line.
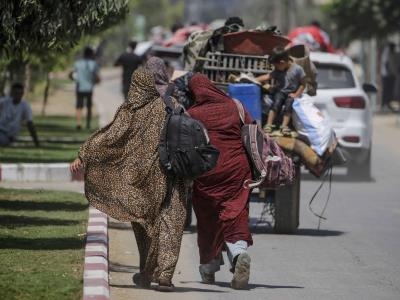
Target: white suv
(345,101)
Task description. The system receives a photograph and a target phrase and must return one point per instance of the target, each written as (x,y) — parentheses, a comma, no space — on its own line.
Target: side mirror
(369,88)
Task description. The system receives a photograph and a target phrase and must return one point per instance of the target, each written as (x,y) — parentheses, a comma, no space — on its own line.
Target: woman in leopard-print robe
(124,179)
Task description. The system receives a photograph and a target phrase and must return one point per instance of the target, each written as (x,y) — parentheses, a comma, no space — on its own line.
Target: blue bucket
(249,95)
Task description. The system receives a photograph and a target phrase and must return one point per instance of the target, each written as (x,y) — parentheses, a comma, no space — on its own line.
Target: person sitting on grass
(13,112)
(289,84)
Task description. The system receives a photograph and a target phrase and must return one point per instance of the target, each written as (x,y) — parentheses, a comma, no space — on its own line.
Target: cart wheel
(287,204)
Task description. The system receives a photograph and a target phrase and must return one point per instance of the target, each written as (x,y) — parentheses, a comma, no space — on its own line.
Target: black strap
(170,108)
(170,190)
(167,98)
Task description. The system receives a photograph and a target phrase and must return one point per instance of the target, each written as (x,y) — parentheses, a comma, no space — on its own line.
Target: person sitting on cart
(289,84)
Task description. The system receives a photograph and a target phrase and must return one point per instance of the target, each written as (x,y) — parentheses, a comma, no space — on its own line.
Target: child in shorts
(289,84)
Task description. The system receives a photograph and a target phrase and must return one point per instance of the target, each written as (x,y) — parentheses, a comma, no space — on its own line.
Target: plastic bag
(310,123)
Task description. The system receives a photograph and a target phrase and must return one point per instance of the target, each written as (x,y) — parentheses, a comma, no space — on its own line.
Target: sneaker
(207,278)
(165,285)
(276,133)
(240,280)
(286,132)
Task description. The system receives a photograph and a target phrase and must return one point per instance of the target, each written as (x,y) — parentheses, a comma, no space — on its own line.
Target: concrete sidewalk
(107,95)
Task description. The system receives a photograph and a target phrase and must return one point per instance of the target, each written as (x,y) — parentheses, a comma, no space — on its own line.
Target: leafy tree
(42,29)
(365,18)
(159,12)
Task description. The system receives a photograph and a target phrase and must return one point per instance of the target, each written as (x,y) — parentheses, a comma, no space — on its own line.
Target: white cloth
(12,115)
(235,249)
(310,123)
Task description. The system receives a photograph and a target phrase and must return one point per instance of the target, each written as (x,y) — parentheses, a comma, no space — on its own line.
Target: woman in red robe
(220,202)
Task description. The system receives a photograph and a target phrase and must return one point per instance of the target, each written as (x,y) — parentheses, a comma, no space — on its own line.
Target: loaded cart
(243,57)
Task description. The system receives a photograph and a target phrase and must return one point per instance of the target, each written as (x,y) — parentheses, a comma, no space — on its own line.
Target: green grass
(59,126)
(53,127)
(41,244)
(46,153)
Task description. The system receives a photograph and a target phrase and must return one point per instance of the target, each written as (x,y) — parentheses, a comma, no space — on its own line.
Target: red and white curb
(38,172)
(95,274)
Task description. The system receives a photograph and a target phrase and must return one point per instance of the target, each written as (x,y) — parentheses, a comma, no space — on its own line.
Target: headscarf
(157,67)
(182,90)
(204,91)
(123,177)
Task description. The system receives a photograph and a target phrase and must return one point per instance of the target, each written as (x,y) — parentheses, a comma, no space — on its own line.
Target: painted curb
(95,274)
(38,172)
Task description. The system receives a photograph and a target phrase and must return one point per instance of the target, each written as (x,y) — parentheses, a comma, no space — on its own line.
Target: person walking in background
(129,62)
(220,202)
(86,75)
(388,75)
(13,112)
(124,179)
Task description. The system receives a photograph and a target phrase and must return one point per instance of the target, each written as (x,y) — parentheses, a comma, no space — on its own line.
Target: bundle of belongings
(316,143)
(312,139)
(200,42)
(230,38)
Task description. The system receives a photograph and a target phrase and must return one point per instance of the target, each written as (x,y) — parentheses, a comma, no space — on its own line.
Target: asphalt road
(354,255)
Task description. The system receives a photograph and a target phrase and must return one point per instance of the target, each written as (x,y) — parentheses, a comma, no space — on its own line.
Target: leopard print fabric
(124,179)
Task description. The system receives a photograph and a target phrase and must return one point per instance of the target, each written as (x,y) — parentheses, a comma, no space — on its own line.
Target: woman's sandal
(268,129)
(286,131)
(165,285)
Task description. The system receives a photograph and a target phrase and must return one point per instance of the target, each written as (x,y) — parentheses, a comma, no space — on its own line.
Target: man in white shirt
(13,112)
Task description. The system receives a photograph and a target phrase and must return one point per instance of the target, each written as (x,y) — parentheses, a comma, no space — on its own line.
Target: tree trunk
(17,69)
(3,82)
(46,93)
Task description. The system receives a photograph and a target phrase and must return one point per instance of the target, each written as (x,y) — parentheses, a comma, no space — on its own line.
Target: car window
(331,76)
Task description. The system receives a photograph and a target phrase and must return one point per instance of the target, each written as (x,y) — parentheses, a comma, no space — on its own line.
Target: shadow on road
(178,289)
(316,232)
(268,229)
(120,268)
(251,286)
(339,178)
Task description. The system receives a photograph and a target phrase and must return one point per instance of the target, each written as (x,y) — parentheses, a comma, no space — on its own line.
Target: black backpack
(185,150)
